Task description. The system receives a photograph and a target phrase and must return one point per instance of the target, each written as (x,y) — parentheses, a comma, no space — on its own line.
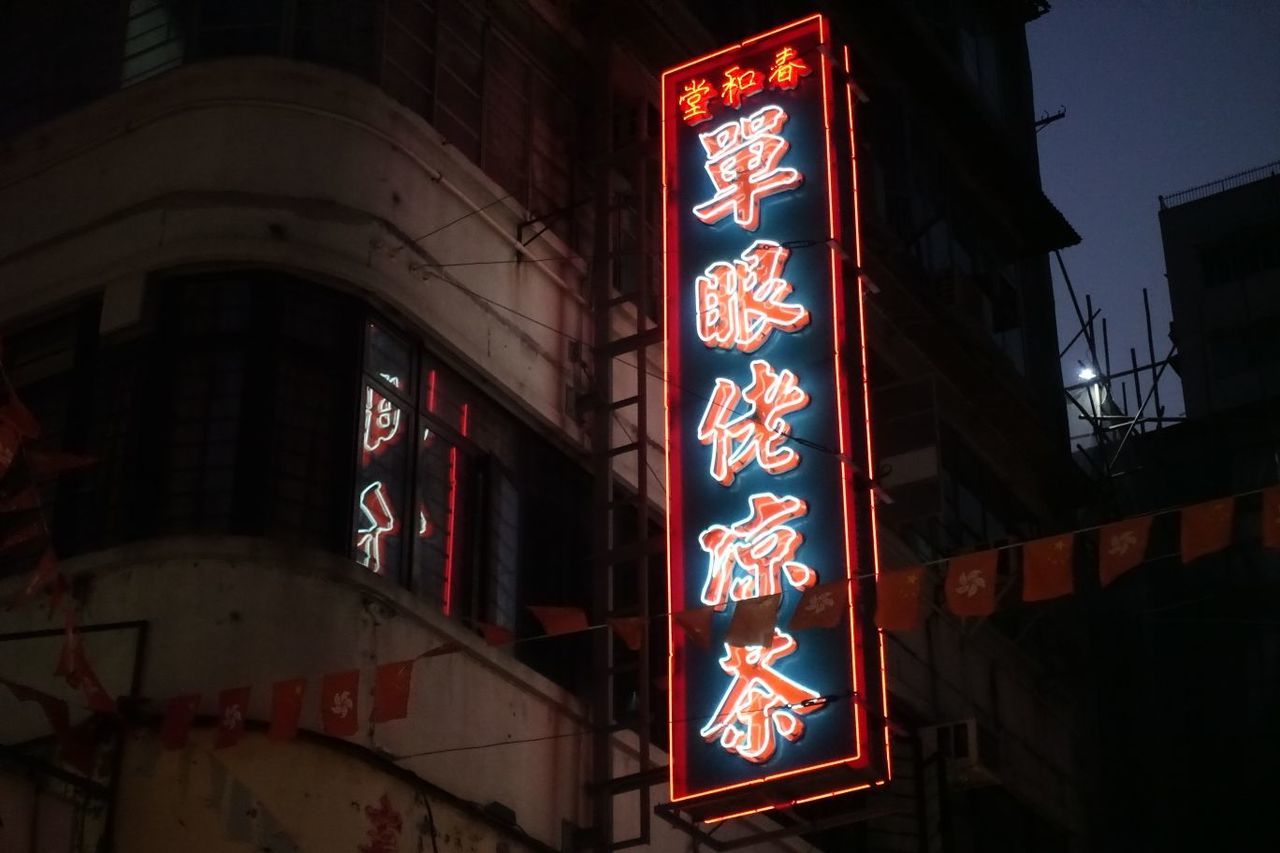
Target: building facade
(323,287)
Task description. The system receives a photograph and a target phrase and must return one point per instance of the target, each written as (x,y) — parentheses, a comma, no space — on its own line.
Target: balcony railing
(1213,187)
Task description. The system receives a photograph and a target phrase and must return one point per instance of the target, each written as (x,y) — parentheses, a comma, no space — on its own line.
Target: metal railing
(1230,182)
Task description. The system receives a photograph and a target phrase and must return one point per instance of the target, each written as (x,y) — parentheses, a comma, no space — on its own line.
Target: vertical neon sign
(766,447)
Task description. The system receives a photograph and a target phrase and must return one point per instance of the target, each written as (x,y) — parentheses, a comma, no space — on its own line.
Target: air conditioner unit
(971,752)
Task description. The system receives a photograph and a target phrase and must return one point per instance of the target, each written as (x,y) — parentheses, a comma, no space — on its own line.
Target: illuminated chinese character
(759,433)
(375,506)
(695,100)
(763,545)
(761,703)
(787,69)
(381,423)
(740,303)
(739,84)
(742,161)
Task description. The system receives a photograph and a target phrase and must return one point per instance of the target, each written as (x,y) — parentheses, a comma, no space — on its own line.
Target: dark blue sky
(1161,95)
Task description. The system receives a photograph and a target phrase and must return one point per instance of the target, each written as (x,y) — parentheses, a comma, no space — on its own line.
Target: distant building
(319,285)
(1222,259)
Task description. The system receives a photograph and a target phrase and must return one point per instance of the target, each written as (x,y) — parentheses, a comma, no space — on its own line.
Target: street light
(1087,373)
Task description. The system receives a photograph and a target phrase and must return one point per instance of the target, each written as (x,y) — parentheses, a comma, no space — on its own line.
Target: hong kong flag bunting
(898,599)
(971,584)
(179,712)
(233,707)
(1206,528)
(391,691)
(821,606)
(339,710)
(1271,517)
(753,621)
(1046,568)
(629,629)
(286,708)
(1122,545)
(697,625)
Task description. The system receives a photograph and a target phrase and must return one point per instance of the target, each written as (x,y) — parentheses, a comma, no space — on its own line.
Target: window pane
(380,485)
(437,525)
(388,358)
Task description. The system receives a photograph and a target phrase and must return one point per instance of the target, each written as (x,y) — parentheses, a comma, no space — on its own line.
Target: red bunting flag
(971,584)
(496,635)
(1046,568)
(233,708)
(47,464)
(821,606)
(898,599)
(21,501)
(391,691)
(95,694)
(697,624)
(68,655)
(10,441)
(179,712)
(1271,517)
(79,744)
(1206,528)
(20,417)
(286,708)
(629,629)
(560,620)
(55,709)
(753,621)
(1122,545)
(44,574)
(339,709)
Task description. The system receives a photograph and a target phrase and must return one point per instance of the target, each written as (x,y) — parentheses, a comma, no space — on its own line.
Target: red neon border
(671,365)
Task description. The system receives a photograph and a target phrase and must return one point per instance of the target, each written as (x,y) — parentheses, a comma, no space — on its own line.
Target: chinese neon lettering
(426,528)
(739,83)
(375,506)
(694,101)
(787,69)
(763,545)
(741,303)
(381,424)
(761,703)
(760,432)
(743,158)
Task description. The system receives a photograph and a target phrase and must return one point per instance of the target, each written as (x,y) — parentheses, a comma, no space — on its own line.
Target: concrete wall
(232,612)
(282,164)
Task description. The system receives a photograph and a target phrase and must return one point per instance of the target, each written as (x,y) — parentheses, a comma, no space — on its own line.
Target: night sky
(1161,95)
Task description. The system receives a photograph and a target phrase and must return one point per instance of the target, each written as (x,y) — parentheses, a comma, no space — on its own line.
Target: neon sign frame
(868,763)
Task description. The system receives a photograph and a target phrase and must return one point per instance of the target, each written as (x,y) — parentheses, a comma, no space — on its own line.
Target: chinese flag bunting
(27,499)
(495,635)
(10,441)
(286,708)
(20,417)
(753,621)
(178,715)
(971,584)
(94,693)
(55,710)
(233,707)
(391,691)
(1122,545)
(697,624)
(560,620)
(47,464)
(898,599)
(629,629)
(338,706)
(1206,528)
(1046,568)
(1271,517)
(821,606)
(43,575)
